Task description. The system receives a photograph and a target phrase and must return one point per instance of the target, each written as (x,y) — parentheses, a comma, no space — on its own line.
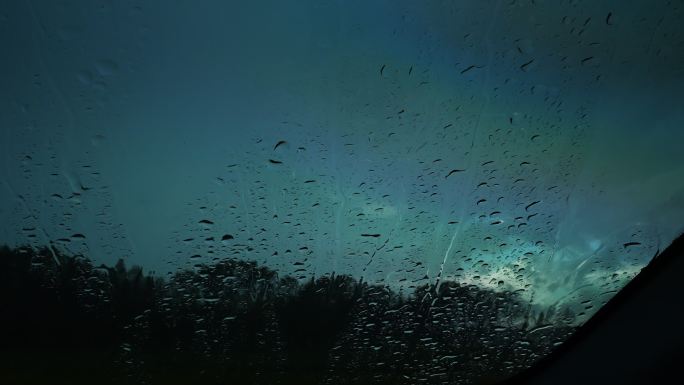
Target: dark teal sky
(132,122)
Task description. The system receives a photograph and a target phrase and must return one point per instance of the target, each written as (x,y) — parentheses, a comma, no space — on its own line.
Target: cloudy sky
(527,145)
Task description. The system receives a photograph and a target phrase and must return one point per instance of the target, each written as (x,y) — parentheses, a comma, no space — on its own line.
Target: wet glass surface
(334,191)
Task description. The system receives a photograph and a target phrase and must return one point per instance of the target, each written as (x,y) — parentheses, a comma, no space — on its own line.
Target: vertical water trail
(446,255)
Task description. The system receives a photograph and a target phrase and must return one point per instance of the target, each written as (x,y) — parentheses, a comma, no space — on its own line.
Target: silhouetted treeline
(65,321)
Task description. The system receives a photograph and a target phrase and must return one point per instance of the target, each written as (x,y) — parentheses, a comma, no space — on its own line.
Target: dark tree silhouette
(234,322)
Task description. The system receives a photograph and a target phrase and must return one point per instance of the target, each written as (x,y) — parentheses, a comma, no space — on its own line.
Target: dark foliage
(64,321)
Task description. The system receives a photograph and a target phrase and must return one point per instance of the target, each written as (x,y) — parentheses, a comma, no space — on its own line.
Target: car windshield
(338,192)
